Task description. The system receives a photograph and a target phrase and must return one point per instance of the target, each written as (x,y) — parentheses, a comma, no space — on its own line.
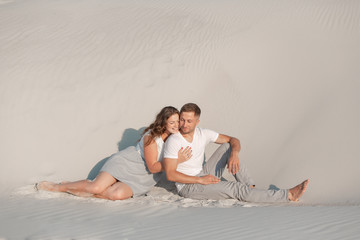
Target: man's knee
(224,147)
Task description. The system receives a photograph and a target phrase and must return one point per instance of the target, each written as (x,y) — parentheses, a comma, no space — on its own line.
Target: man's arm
(233,162)
(170,166)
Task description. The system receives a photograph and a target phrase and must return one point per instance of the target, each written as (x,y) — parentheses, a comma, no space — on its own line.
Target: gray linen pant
(238,189)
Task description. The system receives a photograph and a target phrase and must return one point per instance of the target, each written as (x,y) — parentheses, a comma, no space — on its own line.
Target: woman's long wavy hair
(158,127)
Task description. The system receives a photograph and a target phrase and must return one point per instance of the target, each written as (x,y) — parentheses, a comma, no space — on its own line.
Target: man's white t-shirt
(193,166)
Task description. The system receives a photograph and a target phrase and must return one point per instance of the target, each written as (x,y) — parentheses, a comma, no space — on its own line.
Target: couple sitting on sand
(135,170)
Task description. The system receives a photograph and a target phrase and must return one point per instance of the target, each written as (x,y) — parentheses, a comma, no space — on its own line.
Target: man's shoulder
(207,134)
(202,130)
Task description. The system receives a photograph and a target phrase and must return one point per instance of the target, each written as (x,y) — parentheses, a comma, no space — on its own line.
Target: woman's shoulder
(146,137)
(157,139)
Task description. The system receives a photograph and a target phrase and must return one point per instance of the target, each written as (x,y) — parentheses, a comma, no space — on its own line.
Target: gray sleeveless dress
(128,166)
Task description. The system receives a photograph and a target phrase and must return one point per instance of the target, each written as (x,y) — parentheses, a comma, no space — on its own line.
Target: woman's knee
(100,183)
(119,191)
(95,188)
(120,194)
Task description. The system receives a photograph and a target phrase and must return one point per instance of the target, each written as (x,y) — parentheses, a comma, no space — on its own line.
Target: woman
(132,171)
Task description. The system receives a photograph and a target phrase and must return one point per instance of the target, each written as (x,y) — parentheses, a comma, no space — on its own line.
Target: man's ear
(197,122)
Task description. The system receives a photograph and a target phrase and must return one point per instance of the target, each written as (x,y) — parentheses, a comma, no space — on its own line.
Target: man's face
(188,122)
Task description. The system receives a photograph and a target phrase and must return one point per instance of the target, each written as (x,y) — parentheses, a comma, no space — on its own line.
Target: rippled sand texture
(61,219)
(282,76)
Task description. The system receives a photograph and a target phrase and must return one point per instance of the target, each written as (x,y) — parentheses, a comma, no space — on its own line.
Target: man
(193,180)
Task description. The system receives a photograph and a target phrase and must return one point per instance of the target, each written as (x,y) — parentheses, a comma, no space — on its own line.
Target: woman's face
(172,124)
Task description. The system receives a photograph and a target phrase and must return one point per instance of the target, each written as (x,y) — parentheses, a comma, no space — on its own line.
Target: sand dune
(281,77)
(78,80)
(45,217)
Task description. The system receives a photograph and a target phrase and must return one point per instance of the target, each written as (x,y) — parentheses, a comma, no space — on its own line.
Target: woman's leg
(117,191)
(83,187)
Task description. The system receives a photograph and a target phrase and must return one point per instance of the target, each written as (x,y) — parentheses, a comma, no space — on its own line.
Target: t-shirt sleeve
(172,147)
(211,136)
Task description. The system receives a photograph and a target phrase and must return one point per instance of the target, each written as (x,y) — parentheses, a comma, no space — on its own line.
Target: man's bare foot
(252,186)
(296,192)
(44,185)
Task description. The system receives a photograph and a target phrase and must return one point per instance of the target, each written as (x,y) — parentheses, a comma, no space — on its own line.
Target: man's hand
(234,164)
(208,179)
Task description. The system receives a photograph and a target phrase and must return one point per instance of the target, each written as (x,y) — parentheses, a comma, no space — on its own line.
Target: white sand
(78,79)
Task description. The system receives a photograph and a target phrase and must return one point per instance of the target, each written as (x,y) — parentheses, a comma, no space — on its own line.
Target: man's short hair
(191,107)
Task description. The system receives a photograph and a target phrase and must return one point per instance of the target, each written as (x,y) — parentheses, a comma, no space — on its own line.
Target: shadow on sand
(129,138)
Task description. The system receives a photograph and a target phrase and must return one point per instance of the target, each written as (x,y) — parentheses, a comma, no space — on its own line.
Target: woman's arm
(151,155)
(184,155)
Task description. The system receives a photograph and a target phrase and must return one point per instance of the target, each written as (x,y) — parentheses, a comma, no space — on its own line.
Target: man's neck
(188,136)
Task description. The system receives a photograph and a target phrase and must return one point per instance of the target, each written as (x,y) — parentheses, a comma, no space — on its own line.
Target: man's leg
(235,190)
(217,163)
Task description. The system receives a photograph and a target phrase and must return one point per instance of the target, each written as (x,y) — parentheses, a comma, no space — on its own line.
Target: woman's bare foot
(296,192)
(44,185)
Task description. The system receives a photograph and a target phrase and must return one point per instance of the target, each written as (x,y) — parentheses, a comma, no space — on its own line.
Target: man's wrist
(234,153)
(197,179)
